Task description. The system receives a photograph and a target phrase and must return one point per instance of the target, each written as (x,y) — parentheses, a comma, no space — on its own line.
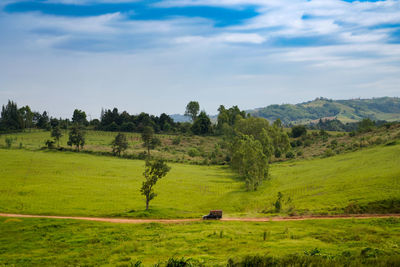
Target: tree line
(17,119)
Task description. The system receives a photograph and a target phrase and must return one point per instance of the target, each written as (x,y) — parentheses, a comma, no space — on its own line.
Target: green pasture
(69,183)
(48,242)
(100,141)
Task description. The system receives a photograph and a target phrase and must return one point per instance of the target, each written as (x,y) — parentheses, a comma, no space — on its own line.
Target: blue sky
(155,56)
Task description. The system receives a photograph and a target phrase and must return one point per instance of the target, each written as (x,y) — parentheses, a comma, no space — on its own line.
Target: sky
(155,56)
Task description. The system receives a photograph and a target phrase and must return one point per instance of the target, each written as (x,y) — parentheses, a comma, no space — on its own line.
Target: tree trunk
(147,203)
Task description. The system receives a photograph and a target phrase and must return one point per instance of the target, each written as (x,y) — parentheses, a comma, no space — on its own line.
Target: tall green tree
(154,170)
(202,124)
(10,117)
(259,129)
(77,136)
(150,141)
(249,160)
(26,116)
(280,139)
(229,116)
(43,120)
(119,144)
(56,134)
(192,109)
(79,117)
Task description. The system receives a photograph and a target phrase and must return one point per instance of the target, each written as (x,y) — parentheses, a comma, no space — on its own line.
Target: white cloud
(141,65)
(250,38)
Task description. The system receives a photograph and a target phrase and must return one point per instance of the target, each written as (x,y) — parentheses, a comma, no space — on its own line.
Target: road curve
(269,219)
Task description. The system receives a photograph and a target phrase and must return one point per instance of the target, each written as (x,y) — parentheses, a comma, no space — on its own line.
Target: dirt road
(274,219)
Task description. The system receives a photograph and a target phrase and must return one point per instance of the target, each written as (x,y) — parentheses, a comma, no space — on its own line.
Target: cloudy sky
(157,55)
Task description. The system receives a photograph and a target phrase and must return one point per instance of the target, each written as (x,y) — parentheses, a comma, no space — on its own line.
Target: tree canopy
(202,124)
(154,170)
(77,136)
(119,144)
(192,109)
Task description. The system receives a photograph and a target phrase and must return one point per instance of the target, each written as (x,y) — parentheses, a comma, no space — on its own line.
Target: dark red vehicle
(214,215)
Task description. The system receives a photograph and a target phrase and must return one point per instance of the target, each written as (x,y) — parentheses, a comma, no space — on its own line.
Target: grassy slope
(79,184)
(100,141)
(60,242)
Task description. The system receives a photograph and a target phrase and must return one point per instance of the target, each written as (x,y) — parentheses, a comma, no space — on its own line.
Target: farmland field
(61,242)
(67,183)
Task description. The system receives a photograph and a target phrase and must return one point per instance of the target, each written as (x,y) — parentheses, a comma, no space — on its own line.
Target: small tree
(149,140)
(56,134)
(119,144)
(192,109)
(154,171)
(9,142)
(298,130)
(278,203)
(76,136)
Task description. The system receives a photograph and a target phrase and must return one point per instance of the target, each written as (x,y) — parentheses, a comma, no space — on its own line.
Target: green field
(68,183)
(39,242)
(100,142)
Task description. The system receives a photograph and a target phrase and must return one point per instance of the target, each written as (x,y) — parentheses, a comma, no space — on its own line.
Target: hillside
(47,182)
(384,108)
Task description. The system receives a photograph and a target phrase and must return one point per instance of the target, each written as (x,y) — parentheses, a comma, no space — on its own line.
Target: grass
(54,183)
(100,141)
(46,242)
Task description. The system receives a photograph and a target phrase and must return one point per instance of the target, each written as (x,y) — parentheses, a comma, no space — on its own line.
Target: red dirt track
(269,219)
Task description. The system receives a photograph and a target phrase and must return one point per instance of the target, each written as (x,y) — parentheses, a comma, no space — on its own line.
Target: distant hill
(384,108)
(180,118)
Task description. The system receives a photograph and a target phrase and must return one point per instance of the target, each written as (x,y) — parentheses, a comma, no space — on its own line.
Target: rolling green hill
(47,182)
(384,108)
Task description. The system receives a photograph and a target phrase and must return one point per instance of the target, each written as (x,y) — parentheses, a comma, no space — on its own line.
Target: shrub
(50,144)
(290,155)
(172,262)
(177,140)
(193,152)
(298,131)
(328,153)
(9,142)
(299,142)
(307,142)
(334,144)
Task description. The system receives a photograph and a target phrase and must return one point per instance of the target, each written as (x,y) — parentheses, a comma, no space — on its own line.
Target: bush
(193,152)
(9,142)
(172,262)
(328,153)
(177,140)
(307,142)
(298,131)
(334,144)
(290,155)
(50,144)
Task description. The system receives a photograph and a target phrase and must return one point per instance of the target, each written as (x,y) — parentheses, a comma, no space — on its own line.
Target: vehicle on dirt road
(213,215)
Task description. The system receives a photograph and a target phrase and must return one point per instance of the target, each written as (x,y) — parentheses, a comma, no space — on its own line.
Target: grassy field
(67,183)
(40,242)
(100,141)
